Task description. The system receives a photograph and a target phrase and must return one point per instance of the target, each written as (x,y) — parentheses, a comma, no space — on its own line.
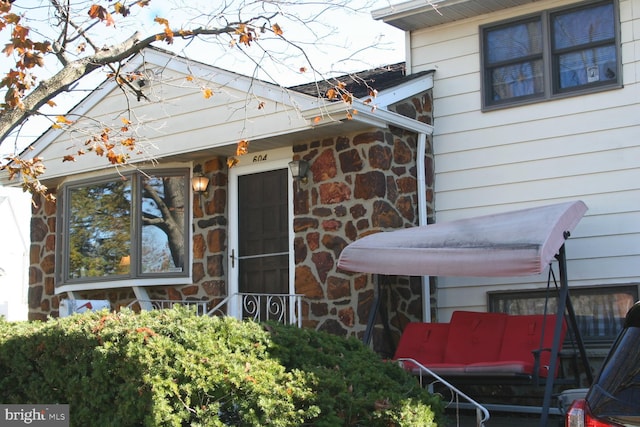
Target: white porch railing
(482,414)
(283,308)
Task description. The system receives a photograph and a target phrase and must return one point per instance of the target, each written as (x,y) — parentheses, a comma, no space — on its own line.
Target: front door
(260,241)
(263,233)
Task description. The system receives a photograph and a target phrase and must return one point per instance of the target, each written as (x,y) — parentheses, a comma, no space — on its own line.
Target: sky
(337,41)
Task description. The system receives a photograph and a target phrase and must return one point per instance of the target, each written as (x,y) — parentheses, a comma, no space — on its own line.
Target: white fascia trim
(404,91)
(336,112)
(410,8)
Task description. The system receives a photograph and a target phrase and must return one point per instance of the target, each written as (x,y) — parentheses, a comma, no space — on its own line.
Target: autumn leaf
(98,12)
(232,161)
(331,93)
(121,9)
(68,158)
(207,92)
(303,69)
(125,124)
(168,34)
(317,119)
(116,159)
(63,120)
(242,148)
(189,78)
(261,105)
(276,29)
(129,142)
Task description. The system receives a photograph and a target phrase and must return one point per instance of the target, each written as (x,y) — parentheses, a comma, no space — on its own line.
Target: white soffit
(417,14)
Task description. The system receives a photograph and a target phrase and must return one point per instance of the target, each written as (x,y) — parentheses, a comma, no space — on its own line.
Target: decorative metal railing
(283,308)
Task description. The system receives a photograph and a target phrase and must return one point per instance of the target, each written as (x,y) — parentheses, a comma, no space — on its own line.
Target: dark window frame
(497,300)
(550,68)
(135,273)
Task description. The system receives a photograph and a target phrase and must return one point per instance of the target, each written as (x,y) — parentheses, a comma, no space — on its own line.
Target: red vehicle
(614,398)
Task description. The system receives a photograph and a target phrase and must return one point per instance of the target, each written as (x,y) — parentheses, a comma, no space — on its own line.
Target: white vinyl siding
(584,147)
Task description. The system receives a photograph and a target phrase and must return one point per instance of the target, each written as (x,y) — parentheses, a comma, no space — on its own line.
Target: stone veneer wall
(358,184)
(209,254)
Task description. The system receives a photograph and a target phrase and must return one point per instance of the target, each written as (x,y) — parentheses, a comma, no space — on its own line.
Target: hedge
(175,368)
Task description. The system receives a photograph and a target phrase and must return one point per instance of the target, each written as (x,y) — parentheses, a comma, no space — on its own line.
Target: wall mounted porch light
(299,169)
(199,182)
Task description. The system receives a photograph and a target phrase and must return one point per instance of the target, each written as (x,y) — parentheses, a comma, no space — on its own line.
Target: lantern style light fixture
(199,182)
(299,169)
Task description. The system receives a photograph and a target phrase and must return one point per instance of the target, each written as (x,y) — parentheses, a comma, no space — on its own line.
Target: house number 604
(259,158)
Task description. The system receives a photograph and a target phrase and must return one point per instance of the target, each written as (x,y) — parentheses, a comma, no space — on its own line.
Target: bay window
(130,226)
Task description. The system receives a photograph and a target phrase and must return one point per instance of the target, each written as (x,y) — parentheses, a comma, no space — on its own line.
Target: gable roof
(416,14)
(181,124)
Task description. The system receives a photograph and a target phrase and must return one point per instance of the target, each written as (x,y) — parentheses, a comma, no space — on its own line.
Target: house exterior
(140,236)
(14,253)
(536,102)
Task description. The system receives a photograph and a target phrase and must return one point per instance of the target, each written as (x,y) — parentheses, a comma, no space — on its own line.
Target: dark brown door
(263,235)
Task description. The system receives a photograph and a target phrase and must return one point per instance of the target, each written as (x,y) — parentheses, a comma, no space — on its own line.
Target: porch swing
(517,243)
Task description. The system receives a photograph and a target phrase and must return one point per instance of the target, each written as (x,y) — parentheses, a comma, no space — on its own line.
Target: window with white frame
(551,54)
(123,227)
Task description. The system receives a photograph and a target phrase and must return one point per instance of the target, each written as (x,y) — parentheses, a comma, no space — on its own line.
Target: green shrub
(174,368)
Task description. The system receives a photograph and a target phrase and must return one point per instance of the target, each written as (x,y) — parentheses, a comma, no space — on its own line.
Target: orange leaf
(303,69)
(276,29)
(68,158)
(99,12)
(161,21)
(189,78)
(317,119)
(121,9)
(243,148)
(232,161)
(207,92)
(331,93)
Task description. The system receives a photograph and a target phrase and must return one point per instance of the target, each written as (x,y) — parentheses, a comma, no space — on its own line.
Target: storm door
(263,233)
(260,262)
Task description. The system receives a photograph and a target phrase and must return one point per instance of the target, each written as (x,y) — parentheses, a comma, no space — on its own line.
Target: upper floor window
(550,54)
(125,227)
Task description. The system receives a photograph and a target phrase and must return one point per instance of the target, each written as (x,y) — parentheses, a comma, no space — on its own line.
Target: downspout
(422,216)
(422,186)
